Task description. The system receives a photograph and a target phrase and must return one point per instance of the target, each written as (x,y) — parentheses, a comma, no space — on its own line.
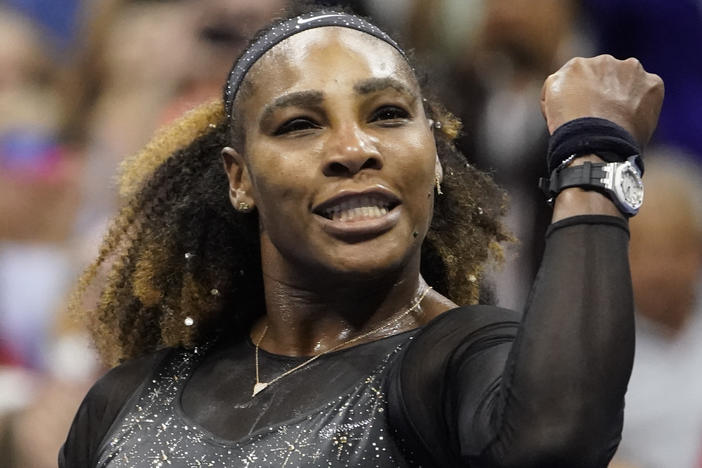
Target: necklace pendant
(258,388)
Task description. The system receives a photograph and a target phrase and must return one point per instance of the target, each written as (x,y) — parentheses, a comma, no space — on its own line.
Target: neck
(305,318)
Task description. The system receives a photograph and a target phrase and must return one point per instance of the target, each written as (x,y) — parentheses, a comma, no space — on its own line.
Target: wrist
(585,177)
(598,164)
(576,201)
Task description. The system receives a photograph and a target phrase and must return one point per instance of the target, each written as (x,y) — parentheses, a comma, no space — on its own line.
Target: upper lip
(378,192)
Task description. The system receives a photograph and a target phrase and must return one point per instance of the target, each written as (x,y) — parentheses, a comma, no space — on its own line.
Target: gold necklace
(260,386)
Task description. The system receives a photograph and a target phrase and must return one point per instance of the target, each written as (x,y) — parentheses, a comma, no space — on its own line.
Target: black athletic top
(478,386)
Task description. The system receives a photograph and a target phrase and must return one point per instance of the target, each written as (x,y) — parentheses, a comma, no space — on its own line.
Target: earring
(241,206)
(437,182)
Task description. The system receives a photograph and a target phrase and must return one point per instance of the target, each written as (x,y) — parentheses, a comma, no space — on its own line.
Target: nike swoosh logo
(303,21)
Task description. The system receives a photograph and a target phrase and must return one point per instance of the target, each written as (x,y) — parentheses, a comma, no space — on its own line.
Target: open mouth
(357,207)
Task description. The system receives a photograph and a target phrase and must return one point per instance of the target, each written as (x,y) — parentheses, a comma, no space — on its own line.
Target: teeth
(365,207)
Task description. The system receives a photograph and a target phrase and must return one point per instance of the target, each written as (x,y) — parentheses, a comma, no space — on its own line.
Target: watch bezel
(616,173)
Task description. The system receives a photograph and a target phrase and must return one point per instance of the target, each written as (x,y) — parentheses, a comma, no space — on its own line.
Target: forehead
(317,58)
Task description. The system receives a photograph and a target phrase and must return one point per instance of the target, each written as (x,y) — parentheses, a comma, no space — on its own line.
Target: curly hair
(179,266)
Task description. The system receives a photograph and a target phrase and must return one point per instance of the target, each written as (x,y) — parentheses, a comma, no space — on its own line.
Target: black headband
(289,28)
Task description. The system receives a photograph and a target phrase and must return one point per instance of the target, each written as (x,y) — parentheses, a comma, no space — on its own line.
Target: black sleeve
(478,389)
(99,409)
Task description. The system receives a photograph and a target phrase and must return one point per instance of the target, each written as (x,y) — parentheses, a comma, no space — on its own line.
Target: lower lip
(362,228)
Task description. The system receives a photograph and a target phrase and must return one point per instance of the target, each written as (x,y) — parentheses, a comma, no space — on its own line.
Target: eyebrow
(299,98)
(373,85)
(316,98)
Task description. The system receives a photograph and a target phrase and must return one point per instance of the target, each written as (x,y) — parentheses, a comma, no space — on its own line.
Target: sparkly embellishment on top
(352,430)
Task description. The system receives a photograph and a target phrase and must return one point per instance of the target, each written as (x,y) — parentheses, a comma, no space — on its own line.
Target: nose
(350,151)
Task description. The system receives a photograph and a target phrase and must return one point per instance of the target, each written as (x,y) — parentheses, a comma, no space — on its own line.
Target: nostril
(371,163)
(336,168)
(348,166)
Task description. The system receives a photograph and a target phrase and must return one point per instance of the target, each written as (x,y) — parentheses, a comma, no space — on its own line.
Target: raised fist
(617,90)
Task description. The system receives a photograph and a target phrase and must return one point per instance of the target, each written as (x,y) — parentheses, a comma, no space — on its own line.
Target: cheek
(274,187)
(417,161)
(278,182)
(416,183)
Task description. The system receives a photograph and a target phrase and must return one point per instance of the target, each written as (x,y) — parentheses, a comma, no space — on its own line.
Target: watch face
(629,187)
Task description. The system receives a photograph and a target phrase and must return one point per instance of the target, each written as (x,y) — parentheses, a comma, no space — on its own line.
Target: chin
(363,261)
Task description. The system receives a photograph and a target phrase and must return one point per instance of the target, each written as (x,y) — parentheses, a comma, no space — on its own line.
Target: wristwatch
(620,181)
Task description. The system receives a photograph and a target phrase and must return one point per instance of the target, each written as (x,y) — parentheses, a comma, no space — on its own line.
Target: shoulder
(457,334)
(120,382)
(462,322)
(457,331)
(102,405)
(471,342)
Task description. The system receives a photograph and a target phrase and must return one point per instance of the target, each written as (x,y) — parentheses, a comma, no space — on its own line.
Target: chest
(348,427)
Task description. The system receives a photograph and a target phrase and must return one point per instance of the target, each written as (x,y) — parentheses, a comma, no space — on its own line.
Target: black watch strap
(587,175)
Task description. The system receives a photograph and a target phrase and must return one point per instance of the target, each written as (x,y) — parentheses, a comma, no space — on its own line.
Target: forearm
(546,392)
(562,393)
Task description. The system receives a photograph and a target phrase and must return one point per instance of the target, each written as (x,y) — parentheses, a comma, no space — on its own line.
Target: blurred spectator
(144,62)
(663,415)
(133,55)
(220,31)
(495,69)
(57,16)
(38,195)
(38,198)
(140,62)
(666,37)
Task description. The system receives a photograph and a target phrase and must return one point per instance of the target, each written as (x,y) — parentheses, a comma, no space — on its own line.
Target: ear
(239,180)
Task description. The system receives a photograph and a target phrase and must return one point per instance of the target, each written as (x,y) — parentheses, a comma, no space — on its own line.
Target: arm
(553,397)
(562,394)
(480,389)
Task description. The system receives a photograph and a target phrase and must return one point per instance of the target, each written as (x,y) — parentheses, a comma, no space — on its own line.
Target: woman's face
(339,157)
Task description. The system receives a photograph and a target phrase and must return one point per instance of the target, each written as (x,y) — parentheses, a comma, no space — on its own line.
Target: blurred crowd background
(84,84)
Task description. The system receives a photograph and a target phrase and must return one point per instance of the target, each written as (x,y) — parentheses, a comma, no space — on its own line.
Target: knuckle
(654,78)
(605,58)
(573,62)
(654,81)
(636,64)
(549,83)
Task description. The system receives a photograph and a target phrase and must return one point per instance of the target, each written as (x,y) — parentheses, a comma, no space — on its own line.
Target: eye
(390,115)
(297,124)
